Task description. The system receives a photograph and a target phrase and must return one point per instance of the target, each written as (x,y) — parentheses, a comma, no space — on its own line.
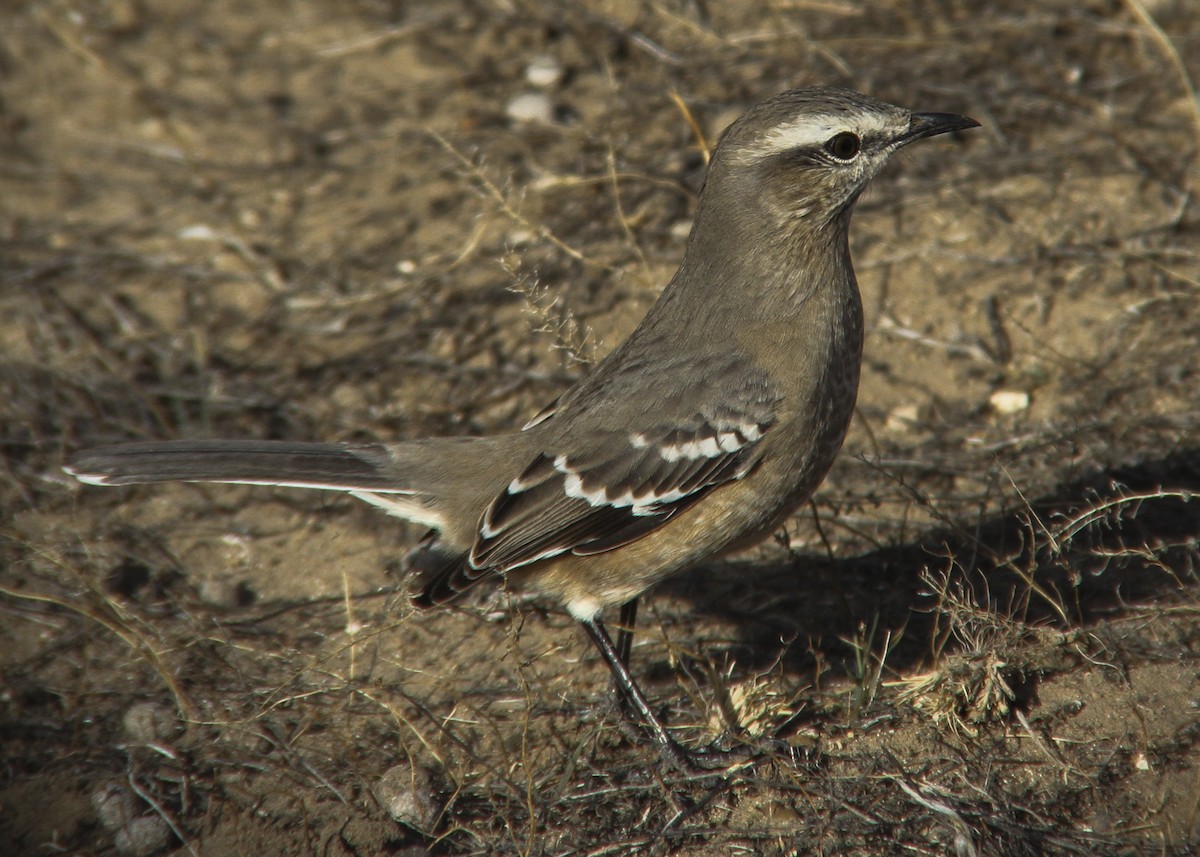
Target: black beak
(924,125)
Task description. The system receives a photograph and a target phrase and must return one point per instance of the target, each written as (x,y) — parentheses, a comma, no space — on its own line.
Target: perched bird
(697,436)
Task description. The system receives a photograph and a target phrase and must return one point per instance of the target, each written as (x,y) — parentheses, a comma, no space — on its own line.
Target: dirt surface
(329,221)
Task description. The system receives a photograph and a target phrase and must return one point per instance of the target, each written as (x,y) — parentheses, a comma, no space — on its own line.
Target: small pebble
(406,794)
(681,229)
(530,107)
(544,71)
(143,836)
(902,418)
(146,722)
(115,806)
(197,232)
(1008,401)
(218,591)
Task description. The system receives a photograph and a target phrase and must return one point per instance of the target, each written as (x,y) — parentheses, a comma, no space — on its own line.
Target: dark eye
(843,146)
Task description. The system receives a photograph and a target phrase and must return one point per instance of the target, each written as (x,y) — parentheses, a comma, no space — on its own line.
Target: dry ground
(319,221)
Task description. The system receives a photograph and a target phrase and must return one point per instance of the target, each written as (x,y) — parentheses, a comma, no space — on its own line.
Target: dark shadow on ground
(1087,552)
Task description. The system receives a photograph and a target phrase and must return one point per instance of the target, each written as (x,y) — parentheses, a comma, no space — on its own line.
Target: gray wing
(615,468)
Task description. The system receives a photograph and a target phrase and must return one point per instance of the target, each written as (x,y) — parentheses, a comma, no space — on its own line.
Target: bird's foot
(715,758)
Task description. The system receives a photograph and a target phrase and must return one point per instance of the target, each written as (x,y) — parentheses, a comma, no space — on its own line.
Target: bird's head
(803,157)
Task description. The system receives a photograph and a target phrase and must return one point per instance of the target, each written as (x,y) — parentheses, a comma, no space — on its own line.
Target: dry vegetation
(223,219)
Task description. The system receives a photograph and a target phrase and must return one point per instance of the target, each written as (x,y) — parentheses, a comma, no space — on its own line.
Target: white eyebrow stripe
(815,130)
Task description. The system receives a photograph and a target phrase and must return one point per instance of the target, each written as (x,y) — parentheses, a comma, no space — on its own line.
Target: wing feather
(561,505)
(613,469)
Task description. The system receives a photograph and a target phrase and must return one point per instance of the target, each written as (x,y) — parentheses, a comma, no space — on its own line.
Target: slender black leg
(671,751)
(625,651)
(679,757)
(627,620)
(634,702)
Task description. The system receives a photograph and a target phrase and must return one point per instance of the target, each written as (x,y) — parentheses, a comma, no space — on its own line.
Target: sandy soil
(327,222)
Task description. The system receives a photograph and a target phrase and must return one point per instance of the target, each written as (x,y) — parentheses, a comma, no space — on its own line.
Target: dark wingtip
(439,576)
(423,600)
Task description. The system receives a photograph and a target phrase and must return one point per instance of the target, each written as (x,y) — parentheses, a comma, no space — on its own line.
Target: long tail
(443,483)
(348,467)
(371,472)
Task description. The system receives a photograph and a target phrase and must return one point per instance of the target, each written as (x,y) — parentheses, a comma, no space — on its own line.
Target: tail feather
(337,466)
(443,483)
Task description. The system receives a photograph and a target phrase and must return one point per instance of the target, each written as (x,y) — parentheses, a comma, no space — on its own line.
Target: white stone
(530,107)
(1009,401)
(902,418)
(544,71)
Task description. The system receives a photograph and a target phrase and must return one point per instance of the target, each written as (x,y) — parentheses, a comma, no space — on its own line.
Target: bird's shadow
(1094,549)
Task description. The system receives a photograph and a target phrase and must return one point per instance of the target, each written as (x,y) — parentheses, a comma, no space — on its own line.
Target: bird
(696,437)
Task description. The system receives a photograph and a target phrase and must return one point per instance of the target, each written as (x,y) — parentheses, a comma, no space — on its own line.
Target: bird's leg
(625,651)
(671,751)
(679,757)
(626,622)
